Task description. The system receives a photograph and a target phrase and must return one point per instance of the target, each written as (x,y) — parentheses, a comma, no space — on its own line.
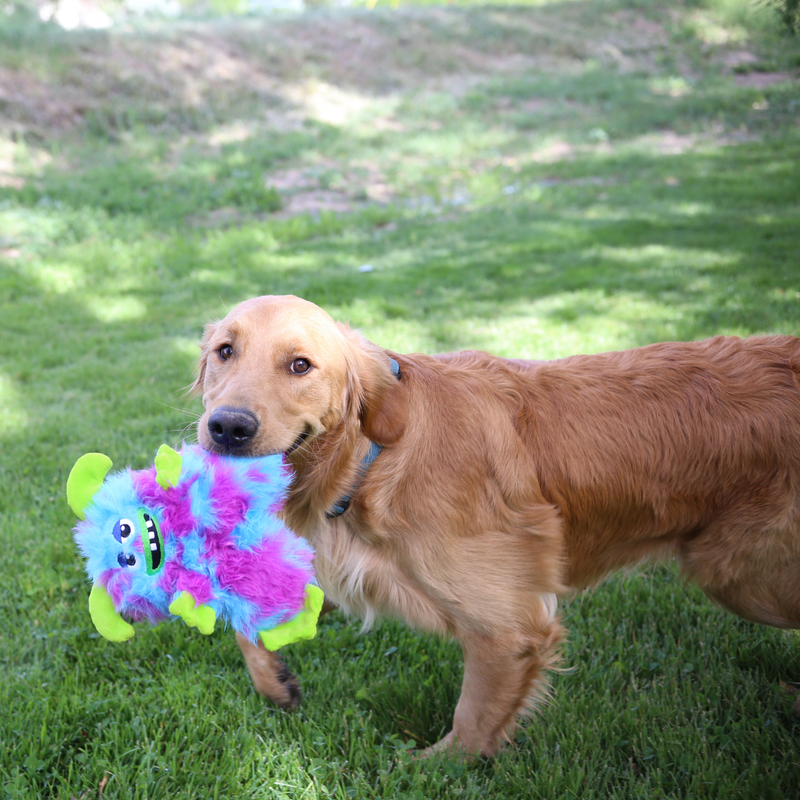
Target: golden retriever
(503,484)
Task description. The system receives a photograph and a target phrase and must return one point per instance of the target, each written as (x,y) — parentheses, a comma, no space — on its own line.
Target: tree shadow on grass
(710,257)
(717,253)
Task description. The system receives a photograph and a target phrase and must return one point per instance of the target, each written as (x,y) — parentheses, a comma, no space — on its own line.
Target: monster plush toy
(195,536)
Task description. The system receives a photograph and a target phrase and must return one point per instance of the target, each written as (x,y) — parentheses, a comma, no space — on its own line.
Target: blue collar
(341,505)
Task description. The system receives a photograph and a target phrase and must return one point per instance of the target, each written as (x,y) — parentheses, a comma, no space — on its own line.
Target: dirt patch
(669,143)
(761,80)
(327,185)
(554,151)
(27,102)
(314,202)
(743,64)
(738,58)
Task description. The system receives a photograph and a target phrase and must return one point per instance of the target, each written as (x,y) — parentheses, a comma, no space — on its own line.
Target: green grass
(533,181)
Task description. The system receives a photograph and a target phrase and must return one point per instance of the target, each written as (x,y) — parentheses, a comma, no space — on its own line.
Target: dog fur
(504,484)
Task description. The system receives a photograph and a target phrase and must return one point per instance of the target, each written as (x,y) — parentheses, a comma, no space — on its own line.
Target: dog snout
(232,428)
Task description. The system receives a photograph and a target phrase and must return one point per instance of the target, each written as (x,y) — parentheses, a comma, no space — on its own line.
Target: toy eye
(122,530)
(126,560)
(300,366)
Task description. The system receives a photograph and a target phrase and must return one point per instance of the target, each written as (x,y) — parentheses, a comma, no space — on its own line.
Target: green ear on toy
(84,480)
(108,622)
(168,467)
(89,472)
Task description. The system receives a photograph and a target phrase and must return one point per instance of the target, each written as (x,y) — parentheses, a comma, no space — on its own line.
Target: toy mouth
(152,542)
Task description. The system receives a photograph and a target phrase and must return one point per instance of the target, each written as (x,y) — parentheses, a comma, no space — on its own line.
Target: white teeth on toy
(150,535)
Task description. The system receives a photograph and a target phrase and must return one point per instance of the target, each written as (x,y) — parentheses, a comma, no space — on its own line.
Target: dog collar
(341,505)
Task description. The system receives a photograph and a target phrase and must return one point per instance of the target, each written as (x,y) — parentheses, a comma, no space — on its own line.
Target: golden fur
(506,483)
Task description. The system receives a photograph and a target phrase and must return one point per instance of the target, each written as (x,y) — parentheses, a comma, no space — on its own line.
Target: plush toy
(195,536)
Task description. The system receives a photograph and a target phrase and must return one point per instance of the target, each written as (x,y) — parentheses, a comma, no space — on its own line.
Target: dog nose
(232,428)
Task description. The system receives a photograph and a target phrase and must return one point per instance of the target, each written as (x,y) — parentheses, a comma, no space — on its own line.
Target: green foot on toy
(201,617)
(303,626)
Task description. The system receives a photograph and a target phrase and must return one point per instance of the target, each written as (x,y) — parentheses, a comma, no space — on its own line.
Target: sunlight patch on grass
(224,251)
(12,416)
(567,323)
(666,256)
(405,336)
(788,295)
(116,309)
(384,323)
(553,326)
(234,132)
(734,20)
(60,278)
(188,346)
(214,276)
(19,160)
(708,28)
(670,86)
(327,103)
(689,209)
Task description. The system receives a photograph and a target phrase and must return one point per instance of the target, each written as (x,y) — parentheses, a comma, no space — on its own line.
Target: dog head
(277,372)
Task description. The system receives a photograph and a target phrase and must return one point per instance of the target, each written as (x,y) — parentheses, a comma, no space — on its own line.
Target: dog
(465,493)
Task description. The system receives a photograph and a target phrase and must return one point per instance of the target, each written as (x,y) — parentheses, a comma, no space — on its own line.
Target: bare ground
(233,78)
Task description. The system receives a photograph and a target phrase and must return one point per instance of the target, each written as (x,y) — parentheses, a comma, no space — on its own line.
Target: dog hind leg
(750,571)
(774,601)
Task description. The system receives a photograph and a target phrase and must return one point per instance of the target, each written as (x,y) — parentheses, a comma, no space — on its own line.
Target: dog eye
(300,366)
(225,352)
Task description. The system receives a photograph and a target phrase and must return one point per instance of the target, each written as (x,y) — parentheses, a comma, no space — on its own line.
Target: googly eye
(123,530)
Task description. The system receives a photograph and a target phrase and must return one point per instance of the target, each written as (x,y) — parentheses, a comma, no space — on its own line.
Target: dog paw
(289,693)
(271,677)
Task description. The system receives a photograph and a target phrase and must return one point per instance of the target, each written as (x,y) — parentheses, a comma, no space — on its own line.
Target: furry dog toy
(195,536)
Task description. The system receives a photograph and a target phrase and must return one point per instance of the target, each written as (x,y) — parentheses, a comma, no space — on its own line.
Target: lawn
(533,180)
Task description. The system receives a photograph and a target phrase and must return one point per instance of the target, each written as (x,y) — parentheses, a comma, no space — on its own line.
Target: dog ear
(384,405)
(197,387)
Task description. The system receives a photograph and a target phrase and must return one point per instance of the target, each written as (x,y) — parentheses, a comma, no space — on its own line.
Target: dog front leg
(503,676)
(271,678)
